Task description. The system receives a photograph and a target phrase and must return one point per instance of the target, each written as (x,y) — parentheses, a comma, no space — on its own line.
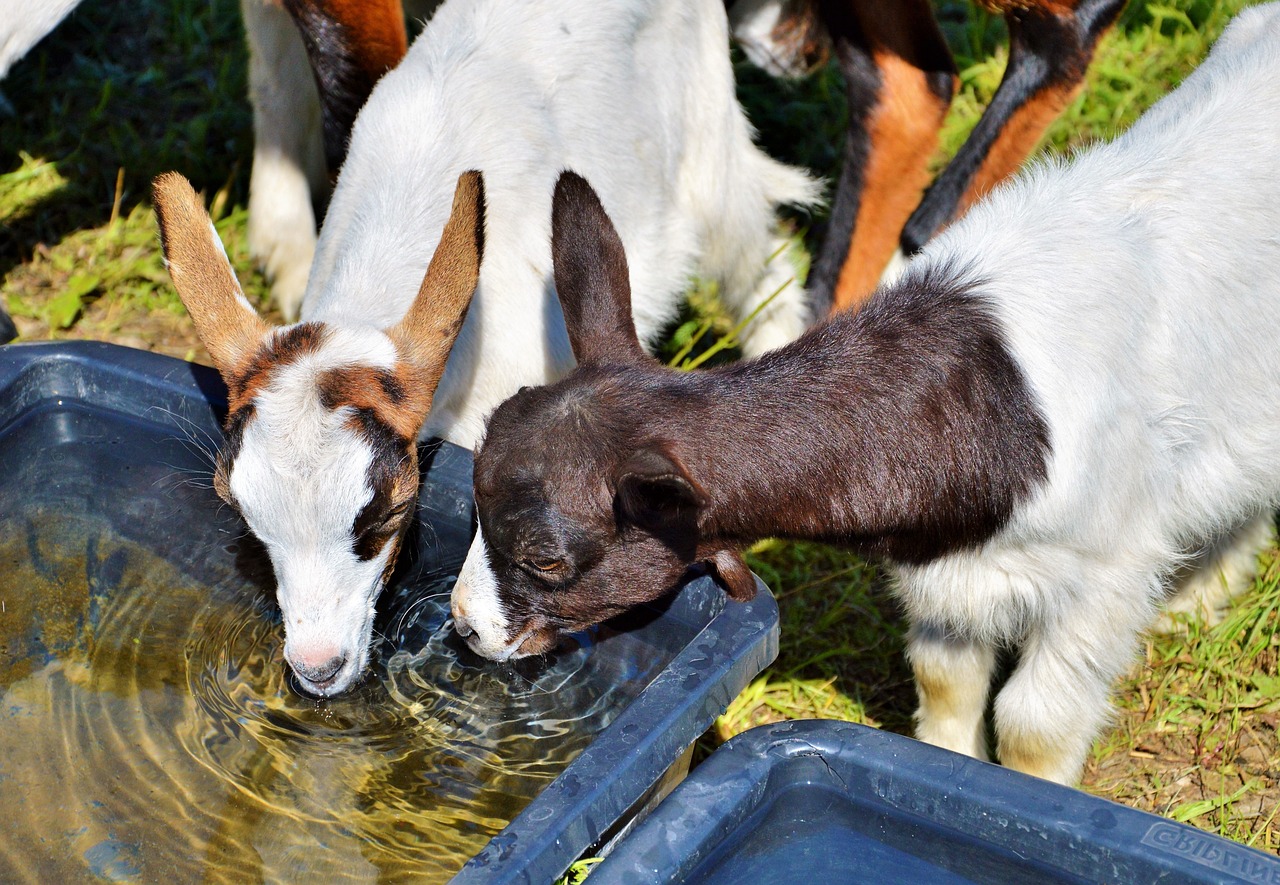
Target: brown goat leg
(899,78)
(1051,44)
(351,43)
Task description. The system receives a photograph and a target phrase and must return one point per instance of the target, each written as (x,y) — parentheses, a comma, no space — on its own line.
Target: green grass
(122,92)
(1198,720)
(118,94)
(579,871)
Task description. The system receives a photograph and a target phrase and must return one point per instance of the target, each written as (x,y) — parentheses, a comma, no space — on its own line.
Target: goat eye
(394,515)
(545,565)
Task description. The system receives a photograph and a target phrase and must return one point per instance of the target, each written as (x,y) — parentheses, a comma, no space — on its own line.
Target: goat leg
(900,78)
(351,44)
(1050,47)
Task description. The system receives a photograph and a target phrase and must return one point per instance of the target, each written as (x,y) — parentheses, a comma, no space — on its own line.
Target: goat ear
(227,324)
(732,573)
(655,491)
(591,276)
(426,334)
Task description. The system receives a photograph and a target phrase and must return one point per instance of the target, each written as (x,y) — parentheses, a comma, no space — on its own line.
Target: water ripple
(148,720)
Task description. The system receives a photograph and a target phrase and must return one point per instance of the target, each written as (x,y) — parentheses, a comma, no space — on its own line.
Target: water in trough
(147,723)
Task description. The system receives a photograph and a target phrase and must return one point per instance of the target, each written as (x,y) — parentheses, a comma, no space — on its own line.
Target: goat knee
(1052,708)
(953,676)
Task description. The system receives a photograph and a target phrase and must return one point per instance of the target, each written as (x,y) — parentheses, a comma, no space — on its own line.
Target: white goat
(638,91)
(1154,363)
(1068,408)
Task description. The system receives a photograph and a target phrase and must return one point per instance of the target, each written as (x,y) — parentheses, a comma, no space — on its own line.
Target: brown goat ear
(656,492)
(227,324)
(732,573)
(591,276)
(426,334)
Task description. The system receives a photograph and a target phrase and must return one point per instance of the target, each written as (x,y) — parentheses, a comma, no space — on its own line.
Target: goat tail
(785,185)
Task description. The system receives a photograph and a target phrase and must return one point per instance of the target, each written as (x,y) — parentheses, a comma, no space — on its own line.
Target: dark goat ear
(591,276)
(655,491)
(733,575)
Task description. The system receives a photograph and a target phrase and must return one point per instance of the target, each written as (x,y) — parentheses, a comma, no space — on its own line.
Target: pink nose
(460,620)
(317,664)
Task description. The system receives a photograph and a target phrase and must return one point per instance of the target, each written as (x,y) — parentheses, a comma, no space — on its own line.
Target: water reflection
(148,723)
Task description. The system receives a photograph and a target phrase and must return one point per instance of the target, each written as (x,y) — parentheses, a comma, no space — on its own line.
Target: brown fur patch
(377,27)
(397,399)
(281,349)
(426,334)
(207,285)
(903,129)
(1018,138)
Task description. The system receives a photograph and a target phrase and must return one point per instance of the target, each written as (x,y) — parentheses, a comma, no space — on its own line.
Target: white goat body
(637,94)
(1138,288)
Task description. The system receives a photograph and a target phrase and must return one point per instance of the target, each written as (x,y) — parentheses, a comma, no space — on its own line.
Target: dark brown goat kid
(595,492)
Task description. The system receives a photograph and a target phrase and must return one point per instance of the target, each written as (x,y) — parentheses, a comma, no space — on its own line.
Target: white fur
(635,95)
(23,23)
(300,481)
(1139,290)
(477,608)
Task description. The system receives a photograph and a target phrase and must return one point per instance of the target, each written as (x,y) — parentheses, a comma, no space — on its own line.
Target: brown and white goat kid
(322,425)
(1068,399)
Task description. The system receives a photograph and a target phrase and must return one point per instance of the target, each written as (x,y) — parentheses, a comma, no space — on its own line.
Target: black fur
(1045,52)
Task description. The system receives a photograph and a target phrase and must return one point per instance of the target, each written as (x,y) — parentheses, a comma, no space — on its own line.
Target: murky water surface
(148,733)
